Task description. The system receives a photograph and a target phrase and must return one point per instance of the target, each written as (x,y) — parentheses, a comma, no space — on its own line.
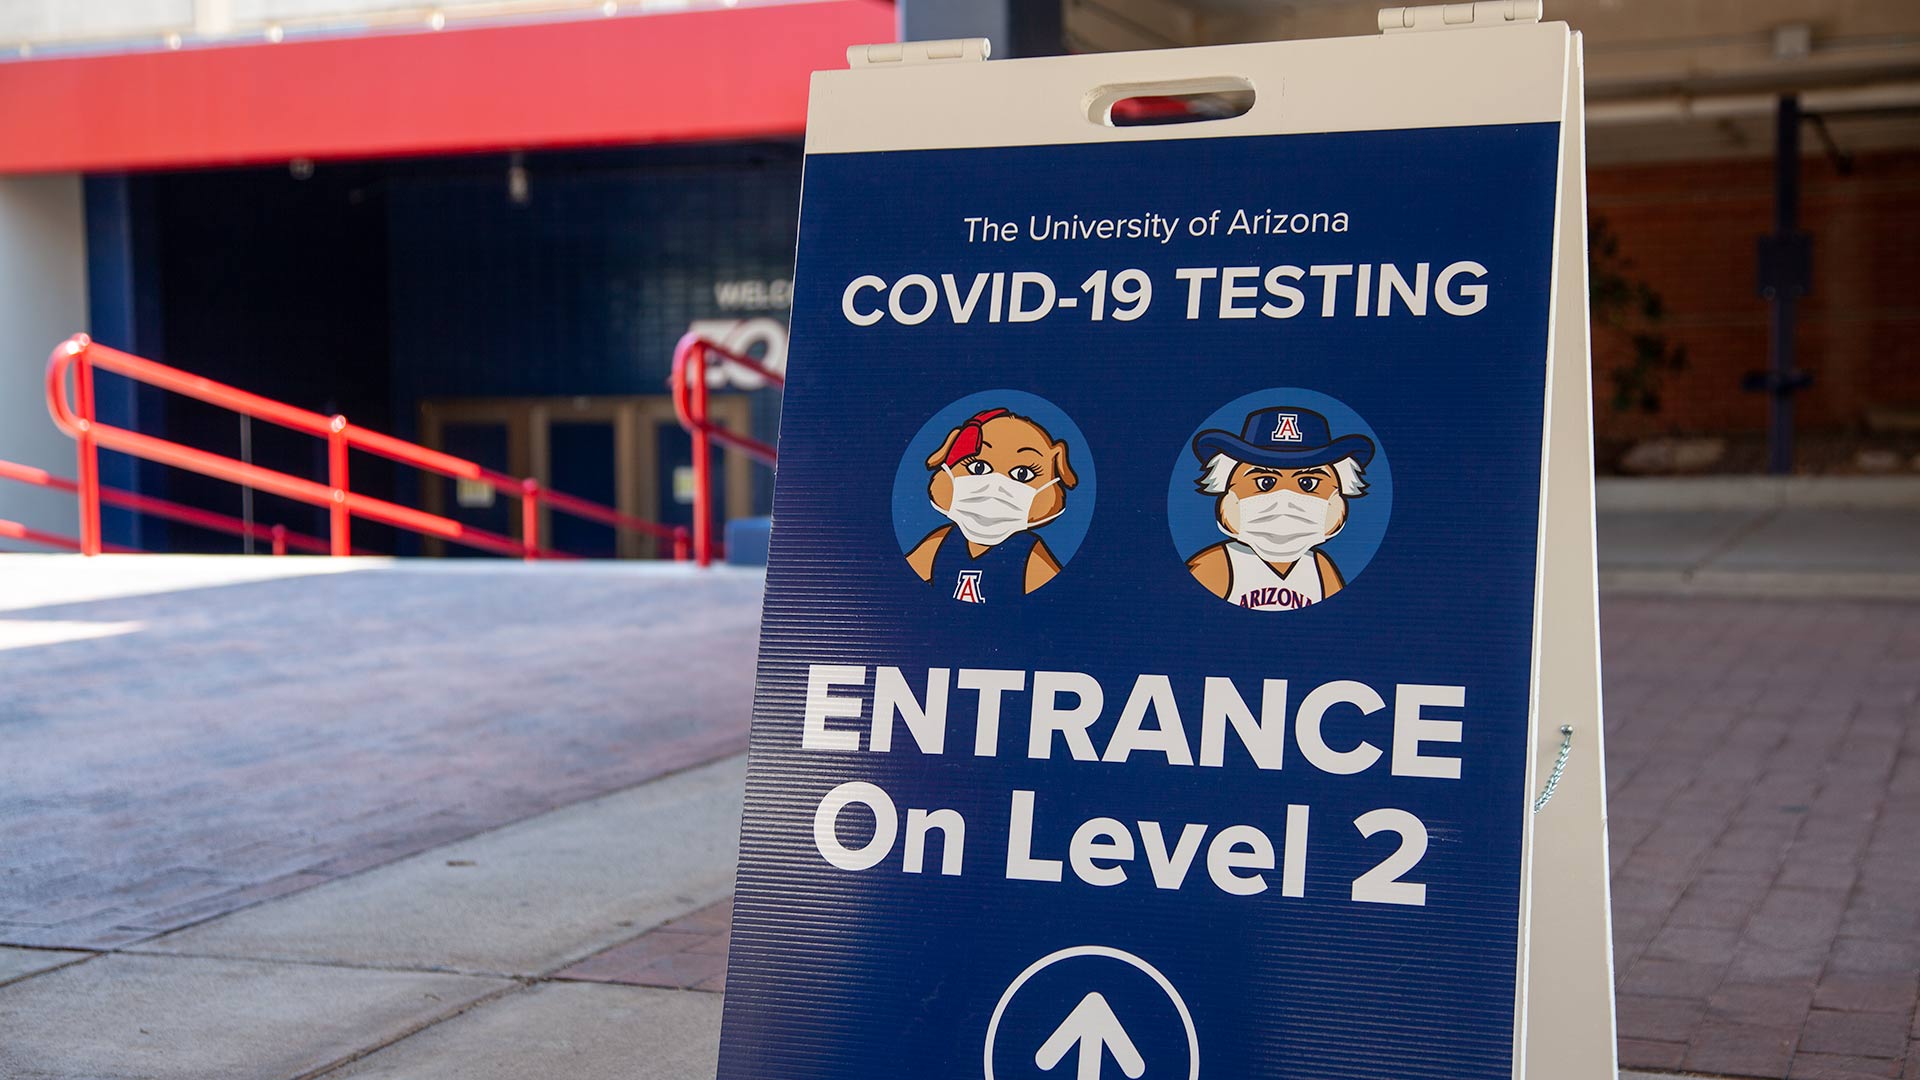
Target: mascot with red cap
(996,479)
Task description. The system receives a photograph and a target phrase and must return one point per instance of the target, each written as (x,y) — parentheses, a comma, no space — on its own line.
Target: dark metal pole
(246,493)
(1785,264)
(1783,291)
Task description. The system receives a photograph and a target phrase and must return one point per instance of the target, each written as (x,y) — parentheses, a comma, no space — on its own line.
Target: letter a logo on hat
(1288,428)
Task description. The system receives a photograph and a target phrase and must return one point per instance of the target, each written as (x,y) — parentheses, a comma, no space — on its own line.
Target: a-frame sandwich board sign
(1182,574)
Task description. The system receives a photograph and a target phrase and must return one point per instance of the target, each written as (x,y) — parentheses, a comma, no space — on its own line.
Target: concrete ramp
(187,736)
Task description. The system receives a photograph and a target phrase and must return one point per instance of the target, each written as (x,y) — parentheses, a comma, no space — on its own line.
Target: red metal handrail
(13,530)
(343,504)
(279,536)
(690,405)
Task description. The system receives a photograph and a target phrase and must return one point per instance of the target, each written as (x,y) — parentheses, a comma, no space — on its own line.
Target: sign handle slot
(1173,101)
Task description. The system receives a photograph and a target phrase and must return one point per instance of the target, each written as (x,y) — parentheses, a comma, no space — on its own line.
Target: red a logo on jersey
(967,587)
(1288,429)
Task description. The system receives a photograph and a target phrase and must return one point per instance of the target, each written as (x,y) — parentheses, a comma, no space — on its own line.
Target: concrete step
(523,901)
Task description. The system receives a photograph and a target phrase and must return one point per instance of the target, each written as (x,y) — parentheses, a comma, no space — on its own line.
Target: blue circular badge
(1279,499)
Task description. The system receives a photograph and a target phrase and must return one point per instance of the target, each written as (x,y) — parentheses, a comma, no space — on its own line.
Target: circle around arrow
(1180,1005)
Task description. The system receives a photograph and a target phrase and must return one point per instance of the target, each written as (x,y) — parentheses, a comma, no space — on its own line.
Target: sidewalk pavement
(450,963)
(410,972)
(1761,536)
(273,872)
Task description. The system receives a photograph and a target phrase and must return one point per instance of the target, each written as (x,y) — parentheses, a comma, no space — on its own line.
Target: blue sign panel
(1145,674)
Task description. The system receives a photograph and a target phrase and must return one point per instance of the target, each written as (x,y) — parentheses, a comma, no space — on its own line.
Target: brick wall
(1688,230)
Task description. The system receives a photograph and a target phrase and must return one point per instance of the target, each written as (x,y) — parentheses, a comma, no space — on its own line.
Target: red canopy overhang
(737,73)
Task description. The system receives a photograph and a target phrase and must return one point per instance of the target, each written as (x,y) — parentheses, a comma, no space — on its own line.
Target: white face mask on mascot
(1280,526)
(988,507)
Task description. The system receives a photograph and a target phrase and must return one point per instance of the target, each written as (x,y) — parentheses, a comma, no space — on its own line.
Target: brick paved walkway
(252,740)
(689,953)
(1764,761)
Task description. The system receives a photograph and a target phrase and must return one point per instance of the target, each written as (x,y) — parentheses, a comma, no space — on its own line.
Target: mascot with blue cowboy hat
(1281,489)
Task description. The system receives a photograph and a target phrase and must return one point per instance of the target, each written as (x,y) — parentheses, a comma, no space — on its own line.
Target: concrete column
(43,299)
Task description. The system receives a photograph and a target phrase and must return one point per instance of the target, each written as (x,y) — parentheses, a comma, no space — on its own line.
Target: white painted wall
(112,25)
(43,299)
(24,21)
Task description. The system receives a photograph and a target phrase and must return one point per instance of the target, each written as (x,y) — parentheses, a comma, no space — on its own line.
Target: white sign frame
(920,96)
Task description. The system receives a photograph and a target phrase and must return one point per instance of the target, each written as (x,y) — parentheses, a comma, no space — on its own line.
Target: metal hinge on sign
(1395,20)
(897,53)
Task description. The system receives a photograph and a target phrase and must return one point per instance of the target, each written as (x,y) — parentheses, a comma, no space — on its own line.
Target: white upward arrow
(1091,1025)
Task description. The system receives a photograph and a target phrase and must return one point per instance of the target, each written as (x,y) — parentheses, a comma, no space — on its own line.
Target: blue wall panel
(586,288)
(368,287)
(124,312)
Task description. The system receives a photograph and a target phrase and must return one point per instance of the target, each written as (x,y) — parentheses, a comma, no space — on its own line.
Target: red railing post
(340,520)
(279,539)
(691,359)
(702,459)
(88,449)
(530,517)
